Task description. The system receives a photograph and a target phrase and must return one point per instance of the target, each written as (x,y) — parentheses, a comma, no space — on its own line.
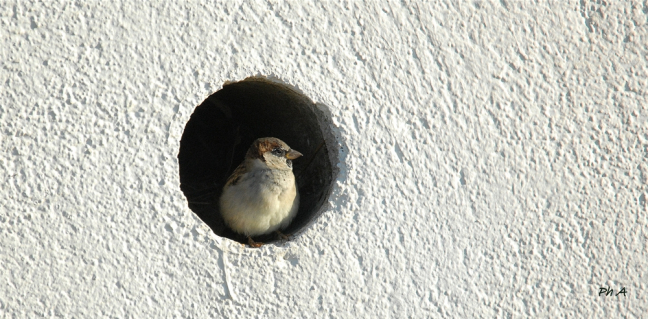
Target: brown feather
(256,151)
(262,145)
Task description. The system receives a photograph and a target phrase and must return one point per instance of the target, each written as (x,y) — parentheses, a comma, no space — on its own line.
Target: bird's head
(275,153)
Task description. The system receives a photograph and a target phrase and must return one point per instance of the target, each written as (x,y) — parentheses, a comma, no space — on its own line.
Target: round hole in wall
(222,128)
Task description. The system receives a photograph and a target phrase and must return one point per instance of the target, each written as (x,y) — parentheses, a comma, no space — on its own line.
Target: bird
(261,196)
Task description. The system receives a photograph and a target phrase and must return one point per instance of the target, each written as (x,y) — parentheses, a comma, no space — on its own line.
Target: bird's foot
(253,243)
(282,235)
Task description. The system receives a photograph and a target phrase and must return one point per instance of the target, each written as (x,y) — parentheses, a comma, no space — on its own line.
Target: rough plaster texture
(492,159)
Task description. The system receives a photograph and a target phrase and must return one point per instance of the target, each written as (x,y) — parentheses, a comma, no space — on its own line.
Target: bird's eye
(278,151)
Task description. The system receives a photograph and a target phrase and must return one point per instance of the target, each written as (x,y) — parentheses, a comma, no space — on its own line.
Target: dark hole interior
(222,128)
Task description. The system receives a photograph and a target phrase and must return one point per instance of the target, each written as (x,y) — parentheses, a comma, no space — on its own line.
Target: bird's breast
(263,200)
(263,191)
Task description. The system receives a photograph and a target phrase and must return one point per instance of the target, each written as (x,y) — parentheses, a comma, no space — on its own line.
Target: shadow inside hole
(223,127)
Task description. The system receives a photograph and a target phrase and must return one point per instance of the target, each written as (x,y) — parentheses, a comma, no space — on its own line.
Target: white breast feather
(261,202)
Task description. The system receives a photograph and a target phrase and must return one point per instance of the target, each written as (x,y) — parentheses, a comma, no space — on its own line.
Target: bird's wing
(236,175)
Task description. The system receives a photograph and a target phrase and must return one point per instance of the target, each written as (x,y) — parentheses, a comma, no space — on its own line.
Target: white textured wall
(493,159)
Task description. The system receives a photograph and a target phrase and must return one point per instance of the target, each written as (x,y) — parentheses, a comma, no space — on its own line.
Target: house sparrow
(261,195)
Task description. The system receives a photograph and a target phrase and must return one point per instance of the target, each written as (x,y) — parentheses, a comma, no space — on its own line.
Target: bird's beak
(292,154)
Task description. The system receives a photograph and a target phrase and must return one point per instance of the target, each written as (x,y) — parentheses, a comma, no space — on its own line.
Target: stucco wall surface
(492,159)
